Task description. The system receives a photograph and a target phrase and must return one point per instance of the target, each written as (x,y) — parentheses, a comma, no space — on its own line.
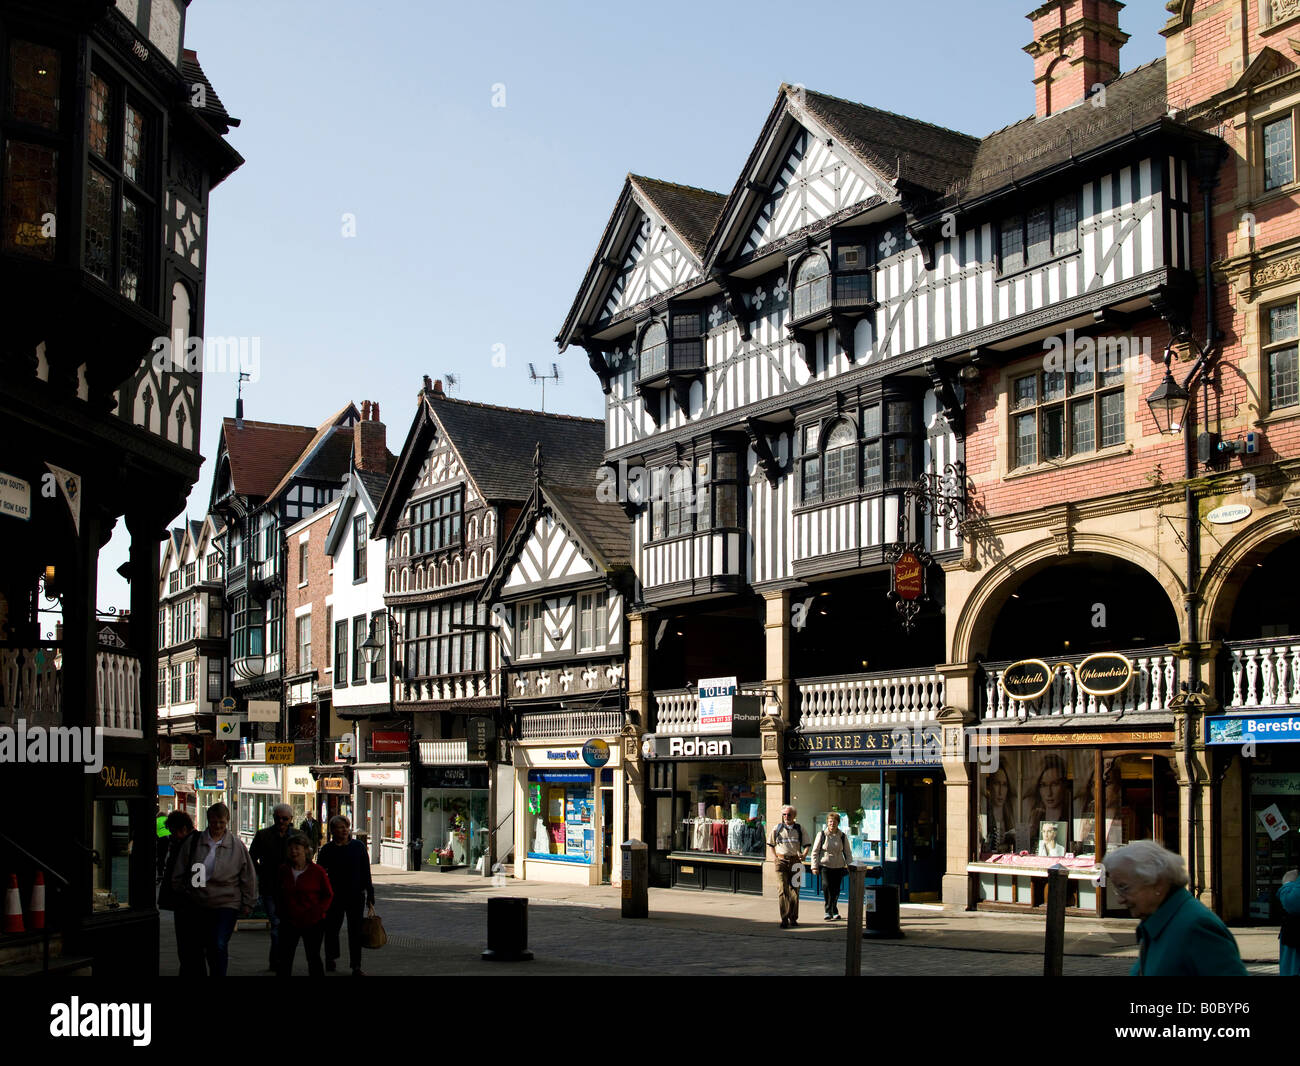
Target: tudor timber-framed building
(875,300)
(463,475)
(108,169)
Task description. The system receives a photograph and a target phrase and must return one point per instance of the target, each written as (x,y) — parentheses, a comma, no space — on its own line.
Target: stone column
(640,702)
(959,711)
(777,680)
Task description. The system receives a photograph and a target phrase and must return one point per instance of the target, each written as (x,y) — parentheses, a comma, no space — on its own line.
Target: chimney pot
(1076,46)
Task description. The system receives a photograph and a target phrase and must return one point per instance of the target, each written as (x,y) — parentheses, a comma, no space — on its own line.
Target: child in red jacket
(304,900)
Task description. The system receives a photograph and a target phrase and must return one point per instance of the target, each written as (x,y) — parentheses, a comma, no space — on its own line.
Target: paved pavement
(437,926)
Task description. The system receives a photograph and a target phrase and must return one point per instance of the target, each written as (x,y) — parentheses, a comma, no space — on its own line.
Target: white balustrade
(858,700)
(31,688)
(584,724)
(117,694)
(1265,673)
(678,712)
(1150,689)
(443,752)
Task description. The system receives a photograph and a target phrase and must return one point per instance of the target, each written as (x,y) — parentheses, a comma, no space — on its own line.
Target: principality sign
(1104,674)
(1027,679)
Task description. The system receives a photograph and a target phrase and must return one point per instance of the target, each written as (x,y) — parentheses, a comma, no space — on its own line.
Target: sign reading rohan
(1027,679)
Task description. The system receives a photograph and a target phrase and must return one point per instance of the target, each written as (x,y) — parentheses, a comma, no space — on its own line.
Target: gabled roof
(261,452)
(368,488)
(496,446)
(690,213)
(326,455)
(601,529)
(213,110)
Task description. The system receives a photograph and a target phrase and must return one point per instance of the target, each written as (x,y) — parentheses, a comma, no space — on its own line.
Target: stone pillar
(959,813)
(1194,770)
(640,701)
(777,680)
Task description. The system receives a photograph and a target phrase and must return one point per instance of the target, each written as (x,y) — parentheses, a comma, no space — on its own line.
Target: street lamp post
(1174,409)
(371,648)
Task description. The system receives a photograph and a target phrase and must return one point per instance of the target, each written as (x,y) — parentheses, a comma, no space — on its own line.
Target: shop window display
(452,829)
(724,809)
(562,812)
(112,832)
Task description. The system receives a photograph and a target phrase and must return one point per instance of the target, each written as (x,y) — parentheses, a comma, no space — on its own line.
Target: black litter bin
(881,914)
(507,930)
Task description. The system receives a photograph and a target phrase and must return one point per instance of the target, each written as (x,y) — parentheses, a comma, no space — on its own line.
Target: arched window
(840,460)
(654,350)
(455,571)
(406,545)
(471,567)
(406,578)
(392,581)
(442,574)
(473,529)
(487,560)
(489,524)
(812,287)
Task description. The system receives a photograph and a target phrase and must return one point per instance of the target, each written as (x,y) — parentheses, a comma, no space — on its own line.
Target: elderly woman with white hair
(1178,936)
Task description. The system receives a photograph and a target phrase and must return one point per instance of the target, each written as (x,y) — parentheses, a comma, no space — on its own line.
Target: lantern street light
(1170,402)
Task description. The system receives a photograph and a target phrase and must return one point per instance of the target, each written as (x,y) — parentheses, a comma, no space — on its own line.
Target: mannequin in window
(1000,826)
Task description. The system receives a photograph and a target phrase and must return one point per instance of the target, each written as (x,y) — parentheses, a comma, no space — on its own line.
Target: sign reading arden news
(717,699)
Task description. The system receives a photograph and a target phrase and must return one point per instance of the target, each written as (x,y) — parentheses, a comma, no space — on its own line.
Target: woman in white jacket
(216,879)
(832,856)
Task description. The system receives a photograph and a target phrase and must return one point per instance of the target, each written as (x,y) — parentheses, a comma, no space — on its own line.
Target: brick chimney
(368,443)
(1076,46)
(433,389)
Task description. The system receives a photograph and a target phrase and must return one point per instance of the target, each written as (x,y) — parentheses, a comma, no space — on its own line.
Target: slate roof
(1133,100)
(213,111)
(376,483)
(261,452)
(497,445)
(919,153)
(691,212)
(326,456)
(603,526)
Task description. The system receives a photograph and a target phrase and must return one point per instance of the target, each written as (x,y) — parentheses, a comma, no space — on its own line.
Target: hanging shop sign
(595,753)
(909,576)
(334,784)
(1104,674)
(263,710)
(1264,730)
(394,742)
(1229,513)
(279,753)
(480,739)
(1027,680)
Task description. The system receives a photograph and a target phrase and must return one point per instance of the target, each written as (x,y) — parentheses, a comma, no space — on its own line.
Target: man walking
(347,862)
(268,852)
(789,846)
(312,828)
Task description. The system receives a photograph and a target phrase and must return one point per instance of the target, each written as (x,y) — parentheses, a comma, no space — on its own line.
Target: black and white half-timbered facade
(108,165)
(786,371)
(462,477)
(557,597)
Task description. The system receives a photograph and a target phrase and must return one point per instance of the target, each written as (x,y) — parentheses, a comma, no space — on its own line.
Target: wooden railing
(1261,673)
(1154,682)
(31,688)
(850,701)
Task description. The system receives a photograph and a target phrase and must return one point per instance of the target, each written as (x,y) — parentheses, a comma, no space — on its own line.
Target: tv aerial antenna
(452,381)
(535,377)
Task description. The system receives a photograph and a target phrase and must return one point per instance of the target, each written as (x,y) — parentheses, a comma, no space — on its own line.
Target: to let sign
(909,576)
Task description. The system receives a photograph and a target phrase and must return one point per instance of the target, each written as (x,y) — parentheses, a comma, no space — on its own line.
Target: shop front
(259,788)
(887,788)
(335,795)
(453,815)
(383,814)
(1269,747)
(566,816)
(706,812)
(300,793)
(1066,797)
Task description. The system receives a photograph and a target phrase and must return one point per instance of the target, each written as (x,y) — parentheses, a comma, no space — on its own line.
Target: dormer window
(1044,232)
(812,287)
(670,355)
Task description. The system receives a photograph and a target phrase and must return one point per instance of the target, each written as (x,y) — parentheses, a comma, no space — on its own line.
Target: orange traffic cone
(13,907)
(36,912)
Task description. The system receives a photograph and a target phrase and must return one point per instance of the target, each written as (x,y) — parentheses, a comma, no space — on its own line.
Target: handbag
(372,930)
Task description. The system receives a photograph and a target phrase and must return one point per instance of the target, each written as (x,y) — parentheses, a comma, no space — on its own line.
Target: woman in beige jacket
(832,855)
(215,877)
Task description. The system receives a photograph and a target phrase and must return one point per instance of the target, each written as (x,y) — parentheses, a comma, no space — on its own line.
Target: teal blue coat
(1184,938)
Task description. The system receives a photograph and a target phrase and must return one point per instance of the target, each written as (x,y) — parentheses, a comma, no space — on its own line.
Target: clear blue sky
(475,223)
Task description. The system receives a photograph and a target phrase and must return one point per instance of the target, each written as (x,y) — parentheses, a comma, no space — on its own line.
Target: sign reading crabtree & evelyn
(1027,679)
(1104,674)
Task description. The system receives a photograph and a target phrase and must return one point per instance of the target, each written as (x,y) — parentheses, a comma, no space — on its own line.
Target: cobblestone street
(437,926)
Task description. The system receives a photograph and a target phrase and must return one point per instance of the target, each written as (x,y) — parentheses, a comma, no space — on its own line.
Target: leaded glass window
(812,291)
(1279,154)
(1281,351)
(654,350)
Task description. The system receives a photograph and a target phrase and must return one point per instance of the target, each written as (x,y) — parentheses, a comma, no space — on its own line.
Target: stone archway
(1230,572)
(983,607)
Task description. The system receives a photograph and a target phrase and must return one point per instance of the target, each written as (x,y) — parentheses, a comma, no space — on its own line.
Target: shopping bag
(372,931)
